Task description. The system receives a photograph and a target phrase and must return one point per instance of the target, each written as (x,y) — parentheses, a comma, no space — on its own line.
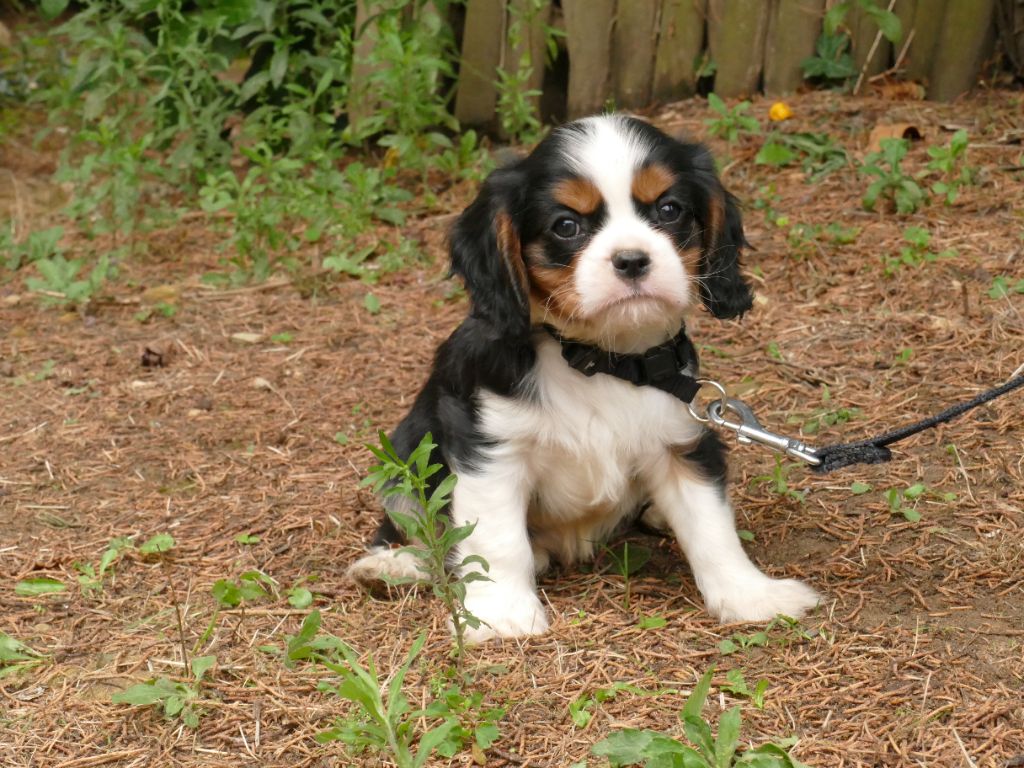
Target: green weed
(916,251)
(778,481)
(1002,287)
(818,153)
(633,746)
(435,534)
(950,162)
(627,560)
(833,62)
(905,501)
(177,699)
(901,191)
(15,657)
(730,123)
(90,578)
(580,708)
(66,282)
(737,686)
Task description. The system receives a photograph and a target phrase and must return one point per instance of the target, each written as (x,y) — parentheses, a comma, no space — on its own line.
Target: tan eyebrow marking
(578,194)
(650,182)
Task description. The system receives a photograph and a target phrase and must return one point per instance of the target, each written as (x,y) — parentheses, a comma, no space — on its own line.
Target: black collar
(671,366)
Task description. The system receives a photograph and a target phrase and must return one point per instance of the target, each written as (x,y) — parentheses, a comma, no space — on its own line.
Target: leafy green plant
(898,499)
(383,719)
(40,245)
(819,154)
(916,251)
(435,534)
(901,191)
(741,642)
(627,560)
(39,585)
(737,686)
(63,281)
(826,416)
(1002,287)
(90,578)
(634,746)
(778,481)
(950,162)
(16,657)
(580,708)
(177,699)
(731,123)
(833,62)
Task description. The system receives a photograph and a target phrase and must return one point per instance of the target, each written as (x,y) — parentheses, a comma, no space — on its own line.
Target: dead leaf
(247,338)
(892,131)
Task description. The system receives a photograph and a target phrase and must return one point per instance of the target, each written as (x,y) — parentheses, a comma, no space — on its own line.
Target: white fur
(383,566)
(570,465)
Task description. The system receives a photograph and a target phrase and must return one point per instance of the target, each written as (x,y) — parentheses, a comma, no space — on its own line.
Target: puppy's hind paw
(382,569)
(505,615)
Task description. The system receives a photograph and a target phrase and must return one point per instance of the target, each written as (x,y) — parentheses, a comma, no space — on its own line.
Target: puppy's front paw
(762,600)
(505,613)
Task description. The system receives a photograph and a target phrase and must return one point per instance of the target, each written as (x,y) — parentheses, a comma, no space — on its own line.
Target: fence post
(793,29)
(680,37)
(634,42)
(958,55)
(476,97)
(736,32)
(588,28)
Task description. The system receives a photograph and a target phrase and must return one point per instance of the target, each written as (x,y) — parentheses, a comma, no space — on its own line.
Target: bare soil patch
(917,658)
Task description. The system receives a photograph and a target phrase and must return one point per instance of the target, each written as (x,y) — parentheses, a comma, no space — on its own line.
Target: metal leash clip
(748,429)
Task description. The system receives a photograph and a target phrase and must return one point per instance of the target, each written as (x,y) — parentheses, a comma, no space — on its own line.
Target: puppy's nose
(631,265)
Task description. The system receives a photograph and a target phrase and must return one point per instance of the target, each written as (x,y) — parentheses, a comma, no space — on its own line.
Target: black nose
(631,265)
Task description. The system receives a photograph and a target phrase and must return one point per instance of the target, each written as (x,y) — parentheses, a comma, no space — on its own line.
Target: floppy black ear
(487,253)
(723,289)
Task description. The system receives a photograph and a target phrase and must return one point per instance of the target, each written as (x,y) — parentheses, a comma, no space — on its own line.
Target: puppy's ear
(723,289)
(487,253)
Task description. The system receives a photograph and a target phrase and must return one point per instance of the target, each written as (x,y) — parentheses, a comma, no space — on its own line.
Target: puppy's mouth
(638,298)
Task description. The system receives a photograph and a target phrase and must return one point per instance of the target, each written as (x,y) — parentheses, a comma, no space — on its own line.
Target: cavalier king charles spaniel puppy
(581,261)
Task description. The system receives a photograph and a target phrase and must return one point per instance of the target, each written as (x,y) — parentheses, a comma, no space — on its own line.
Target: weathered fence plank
(957,57)
(865,32)
(680,39)
(927,24)
(482,43)
(360,105)
(588,28)
(793,29)
(736,31)
(634,41)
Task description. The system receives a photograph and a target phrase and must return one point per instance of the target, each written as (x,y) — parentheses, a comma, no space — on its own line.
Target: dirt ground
(915,659)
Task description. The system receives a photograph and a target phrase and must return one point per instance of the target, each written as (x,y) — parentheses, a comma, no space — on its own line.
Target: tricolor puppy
(581,262)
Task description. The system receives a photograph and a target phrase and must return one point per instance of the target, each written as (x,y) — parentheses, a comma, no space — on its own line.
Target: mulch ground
(915,659)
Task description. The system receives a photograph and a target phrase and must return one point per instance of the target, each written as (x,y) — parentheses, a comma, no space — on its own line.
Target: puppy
(559,401)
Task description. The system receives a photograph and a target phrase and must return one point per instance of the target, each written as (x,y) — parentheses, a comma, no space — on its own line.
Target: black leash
(672,367)
(874,451)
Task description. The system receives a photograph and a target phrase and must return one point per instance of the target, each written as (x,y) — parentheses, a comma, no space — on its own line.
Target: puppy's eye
(566,228)
(669,211)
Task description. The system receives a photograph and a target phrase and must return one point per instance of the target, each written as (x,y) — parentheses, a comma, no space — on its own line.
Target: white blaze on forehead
(608,153)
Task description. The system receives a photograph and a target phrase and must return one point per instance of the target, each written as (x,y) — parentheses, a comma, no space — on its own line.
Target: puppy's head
(609,231)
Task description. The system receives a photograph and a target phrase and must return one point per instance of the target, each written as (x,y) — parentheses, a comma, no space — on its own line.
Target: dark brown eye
(669,211)
(566,228)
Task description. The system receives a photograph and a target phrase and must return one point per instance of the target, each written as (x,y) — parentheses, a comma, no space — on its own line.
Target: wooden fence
(631,53)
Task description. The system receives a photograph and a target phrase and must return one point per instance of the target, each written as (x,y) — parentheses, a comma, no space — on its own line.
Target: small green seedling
(898,499)
(90,578)
(950,162)
(42,585)
(16,657)
(778,481)
(634,746)
(901,191)
(916,251)
(436,535)
(177,699)
(1002,287)
(628,560)
(60,281)
(731,123)
(737,686)
(580,708)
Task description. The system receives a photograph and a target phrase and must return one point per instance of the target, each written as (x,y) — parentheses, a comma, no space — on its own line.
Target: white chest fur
(579,444)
